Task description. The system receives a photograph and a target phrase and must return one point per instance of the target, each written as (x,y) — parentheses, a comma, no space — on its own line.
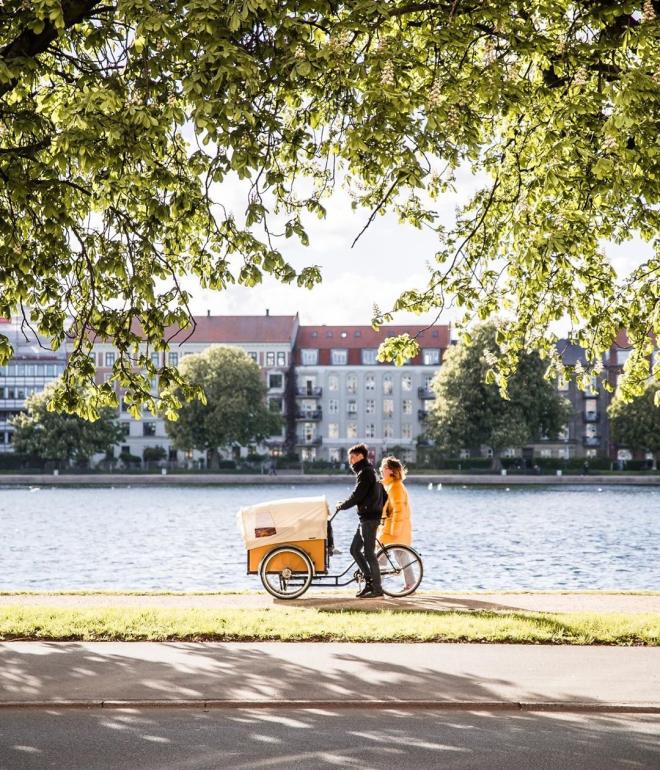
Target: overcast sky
(388,258)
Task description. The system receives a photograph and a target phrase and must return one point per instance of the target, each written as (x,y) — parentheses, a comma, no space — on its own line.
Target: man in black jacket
(367,495)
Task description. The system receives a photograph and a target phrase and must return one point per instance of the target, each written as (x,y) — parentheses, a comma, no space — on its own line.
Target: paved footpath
(422,600)
(338,675)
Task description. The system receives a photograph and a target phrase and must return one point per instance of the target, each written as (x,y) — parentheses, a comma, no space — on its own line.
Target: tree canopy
(66,438)
(469,412)
(234,408)
(119,123)
(636,425)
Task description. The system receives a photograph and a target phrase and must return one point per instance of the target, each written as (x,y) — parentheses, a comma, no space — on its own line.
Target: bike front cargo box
(299,521)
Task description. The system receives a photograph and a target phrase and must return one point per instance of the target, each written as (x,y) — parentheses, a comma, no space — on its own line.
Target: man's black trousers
(363,550)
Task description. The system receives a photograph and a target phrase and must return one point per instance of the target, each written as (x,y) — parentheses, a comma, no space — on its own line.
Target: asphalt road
(225,739)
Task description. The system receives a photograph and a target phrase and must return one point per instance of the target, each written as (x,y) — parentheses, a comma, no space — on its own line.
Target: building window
(351,384)
(308,406)
(406,406)
(351,430)
(431,356)
(369,431)
(622,356)
(562,385)
(275,405)
(352,407)
(370,406)
(388,430)
(254,356)
(387,385)
(281,359)
(388,407)
(406,430)
(370,382)
(270,358)
(50,370)
(275,381)
(309,356)
(333,406)
(309,431)
(338,357)
(155,359)
(148,428)
(333,430)
(333,382)
(428,382)
(125,428)
(335,455)
(406,382)
(173,359)
(343,335)
(109,359)
(369,356)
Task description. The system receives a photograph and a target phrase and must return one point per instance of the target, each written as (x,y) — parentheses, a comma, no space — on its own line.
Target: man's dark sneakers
(370,594)
(368,589)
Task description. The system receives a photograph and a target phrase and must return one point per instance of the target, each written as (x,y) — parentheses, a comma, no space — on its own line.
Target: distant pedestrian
(368,496)
(585,467)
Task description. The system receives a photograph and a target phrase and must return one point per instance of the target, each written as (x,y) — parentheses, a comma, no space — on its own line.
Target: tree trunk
(496,462)
(213,459)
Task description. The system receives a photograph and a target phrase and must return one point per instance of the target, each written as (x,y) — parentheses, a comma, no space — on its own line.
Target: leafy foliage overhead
(119,122)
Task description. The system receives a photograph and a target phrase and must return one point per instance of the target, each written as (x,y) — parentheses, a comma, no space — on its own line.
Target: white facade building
(268,339)
(345,396)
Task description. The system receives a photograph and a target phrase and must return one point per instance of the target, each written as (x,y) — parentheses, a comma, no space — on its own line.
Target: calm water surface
(182,538)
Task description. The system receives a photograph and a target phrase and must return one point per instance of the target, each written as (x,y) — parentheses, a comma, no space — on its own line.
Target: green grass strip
(303,624)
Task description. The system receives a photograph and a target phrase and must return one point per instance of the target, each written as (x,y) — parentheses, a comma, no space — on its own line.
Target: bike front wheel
(401,569)
(286,572)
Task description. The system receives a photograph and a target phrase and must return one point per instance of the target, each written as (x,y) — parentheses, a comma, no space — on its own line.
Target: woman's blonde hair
(396,466)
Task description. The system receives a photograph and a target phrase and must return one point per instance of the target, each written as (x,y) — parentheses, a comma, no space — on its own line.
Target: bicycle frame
(334,580)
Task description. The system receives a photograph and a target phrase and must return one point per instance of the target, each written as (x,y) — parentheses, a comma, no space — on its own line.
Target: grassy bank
(303,624)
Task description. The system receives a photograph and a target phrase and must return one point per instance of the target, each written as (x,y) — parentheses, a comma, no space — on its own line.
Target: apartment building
(343,395)
(31,368)
(268,340)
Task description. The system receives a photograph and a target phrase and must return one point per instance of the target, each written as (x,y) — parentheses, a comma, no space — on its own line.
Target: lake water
(185,538)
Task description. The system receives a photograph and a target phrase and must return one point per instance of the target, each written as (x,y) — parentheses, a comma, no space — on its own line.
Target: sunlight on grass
(303,624)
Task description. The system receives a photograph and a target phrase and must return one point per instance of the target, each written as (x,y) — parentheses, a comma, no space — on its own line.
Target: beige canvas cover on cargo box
(282,521)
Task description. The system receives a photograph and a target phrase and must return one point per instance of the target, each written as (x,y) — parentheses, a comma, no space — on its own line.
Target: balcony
(307,441)
(425,393)
(422,414)
(591,440)
(592,416)
(309,392)
(311,415)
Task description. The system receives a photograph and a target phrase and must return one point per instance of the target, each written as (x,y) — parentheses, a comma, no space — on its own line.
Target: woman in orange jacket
(395,525)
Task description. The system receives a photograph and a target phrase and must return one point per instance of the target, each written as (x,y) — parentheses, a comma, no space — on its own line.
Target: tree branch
(29,44)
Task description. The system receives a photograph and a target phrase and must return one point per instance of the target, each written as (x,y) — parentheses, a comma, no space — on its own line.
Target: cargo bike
(286,542)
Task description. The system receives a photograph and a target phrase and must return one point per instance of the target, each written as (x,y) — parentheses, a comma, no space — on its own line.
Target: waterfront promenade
(226,479)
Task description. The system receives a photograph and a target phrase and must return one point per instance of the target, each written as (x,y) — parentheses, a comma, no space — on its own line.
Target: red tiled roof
(231,329)
(239,328)
(356,338)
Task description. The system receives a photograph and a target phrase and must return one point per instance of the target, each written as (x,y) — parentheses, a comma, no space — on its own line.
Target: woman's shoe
(368,589)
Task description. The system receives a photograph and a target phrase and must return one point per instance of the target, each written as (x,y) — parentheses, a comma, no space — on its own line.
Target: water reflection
(179,538)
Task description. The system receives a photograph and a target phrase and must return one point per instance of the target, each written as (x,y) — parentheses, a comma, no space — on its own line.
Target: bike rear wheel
(401,569)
